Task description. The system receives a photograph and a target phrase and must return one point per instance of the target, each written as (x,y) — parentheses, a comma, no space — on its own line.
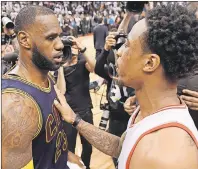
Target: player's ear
(24,39)
(151,62)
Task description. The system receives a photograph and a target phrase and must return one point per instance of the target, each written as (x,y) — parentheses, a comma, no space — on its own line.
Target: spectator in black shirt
(73,81)
(100,32)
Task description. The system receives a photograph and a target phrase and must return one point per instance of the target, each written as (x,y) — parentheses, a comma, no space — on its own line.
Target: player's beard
(42,62)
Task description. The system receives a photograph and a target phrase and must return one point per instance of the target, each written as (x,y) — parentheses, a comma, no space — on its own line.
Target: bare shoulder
(20,123)
(166,148)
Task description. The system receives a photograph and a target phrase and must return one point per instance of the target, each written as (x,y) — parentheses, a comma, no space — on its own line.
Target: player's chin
(55,67)
(120,80)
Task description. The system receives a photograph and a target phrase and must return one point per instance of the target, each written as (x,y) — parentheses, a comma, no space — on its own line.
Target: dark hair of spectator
(95,19)
(27,15)
(105,22)
(173,35)
(100,20)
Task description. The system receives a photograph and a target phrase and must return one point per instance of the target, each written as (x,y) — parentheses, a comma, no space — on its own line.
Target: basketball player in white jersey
(161,133)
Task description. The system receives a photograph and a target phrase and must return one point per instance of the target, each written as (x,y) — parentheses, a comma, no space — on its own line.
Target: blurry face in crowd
(46,44)
(133,64)
(196,13)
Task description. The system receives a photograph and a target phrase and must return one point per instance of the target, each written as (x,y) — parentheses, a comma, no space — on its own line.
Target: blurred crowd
(75,17)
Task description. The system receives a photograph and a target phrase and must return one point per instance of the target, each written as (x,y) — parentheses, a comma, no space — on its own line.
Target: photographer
(9,46)
(73,81)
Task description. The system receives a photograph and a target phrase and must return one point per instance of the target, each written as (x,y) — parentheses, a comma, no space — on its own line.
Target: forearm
(94,38)
(103,141)
(101,61)
(61,84)
(90,60)
(124,24)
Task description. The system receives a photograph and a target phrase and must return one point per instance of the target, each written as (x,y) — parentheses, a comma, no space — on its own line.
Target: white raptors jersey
(172,116)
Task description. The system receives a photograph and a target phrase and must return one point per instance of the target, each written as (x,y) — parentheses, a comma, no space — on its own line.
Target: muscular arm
(19,125)
(91,61)
(101,61)
(124,24)
(103,141)
(61,84)
(169,148)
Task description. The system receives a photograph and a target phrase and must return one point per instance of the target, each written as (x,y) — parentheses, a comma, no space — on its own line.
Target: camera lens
(67,53)
(66,41)
(136,6)
(10,25)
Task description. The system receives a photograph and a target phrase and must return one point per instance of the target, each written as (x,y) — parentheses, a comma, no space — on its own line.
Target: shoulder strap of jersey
(51,76)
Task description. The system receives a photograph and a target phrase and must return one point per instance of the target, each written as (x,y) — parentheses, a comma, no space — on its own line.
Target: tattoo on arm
(19,125)
(103,141)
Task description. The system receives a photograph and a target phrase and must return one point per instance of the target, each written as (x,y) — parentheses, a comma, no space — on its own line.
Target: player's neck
(31,73)
(153,98)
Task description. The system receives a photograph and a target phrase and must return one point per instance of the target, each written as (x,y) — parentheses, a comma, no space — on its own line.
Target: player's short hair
(173,35)
(27,15)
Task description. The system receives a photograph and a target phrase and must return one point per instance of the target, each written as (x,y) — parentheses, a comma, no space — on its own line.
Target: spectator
(100,32)
(76,90)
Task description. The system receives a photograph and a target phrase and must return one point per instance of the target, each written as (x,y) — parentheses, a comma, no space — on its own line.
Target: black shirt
(118,113)
(100,33)
(191,83)
(77,86)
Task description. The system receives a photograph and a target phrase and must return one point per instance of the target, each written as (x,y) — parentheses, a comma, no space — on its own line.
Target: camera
(135,6)
(105,116)
(104,106)
(120,40)
(120,35)
(67,52)
(7,23)
(67,41)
